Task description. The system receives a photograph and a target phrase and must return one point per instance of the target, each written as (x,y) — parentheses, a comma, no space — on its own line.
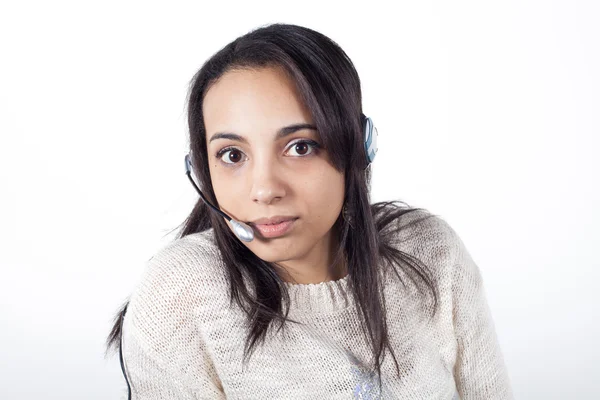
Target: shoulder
(184,254)
(422,232)
(176,279)
(186,258)
(160,324)
(181,262)
(429,238)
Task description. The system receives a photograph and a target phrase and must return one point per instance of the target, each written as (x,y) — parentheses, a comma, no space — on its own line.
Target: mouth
(275,229)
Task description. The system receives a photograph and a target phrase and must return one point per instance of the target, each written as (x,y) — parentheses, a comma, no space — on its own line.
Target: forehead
(264,98)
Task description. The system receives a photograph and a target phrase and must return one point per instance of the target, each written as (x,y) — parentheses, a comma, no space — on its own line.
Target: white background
(487,115)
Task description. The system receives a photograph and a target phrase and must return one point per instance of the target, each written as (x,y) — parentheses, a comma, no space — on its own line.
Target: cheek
(226,193)
(325,198)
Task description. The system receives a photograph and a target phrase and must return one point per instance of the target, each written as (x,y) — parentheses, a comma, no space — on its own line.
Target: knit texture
(183,340)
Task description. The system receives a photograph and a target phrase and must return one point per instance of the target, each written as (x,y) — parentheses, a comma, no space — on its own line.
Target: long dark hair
(330,88)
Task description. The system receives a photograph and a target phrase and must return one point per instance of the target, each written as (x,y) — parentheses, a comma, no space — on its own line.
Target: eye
(233,157)
(304,146)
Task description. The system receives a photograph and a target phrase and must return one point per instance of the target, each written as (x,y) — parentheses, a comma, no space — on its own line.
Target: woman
(299,288)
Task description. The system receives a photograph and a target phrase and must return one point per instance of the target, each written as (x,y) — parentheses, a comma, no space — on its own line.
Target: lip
(273,220)
(275,230)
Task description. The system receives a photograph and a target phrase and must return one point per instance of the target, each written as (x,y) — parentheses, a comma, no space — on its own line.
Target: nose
(268,185)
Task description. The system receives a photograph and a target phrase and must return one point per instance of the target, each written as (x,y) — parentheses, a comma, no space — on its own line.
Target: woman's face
(261,170)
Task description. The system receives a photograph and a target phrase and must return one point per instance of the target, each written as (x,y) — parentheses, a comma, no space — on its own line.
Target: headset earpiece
(370,138)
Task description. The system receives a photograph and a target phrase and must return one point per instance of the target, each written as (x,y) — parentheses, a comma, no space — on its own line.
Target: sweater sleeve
(480,372)
(163,352)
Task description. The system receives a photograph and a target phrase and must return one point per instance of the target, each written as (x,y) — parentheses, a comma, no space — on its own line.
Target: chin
(266,251)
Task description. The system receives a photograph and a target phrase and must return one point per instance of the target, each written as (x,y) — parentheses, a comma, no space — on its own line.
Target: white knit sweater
(182,340)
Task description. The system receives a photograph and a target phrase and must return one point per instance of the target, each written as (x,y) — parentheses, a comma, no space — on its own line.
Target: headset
(242,230)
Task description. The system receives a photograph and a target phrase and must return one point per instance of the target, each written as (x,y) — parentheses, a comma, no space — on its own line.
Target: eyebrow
(283,132)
